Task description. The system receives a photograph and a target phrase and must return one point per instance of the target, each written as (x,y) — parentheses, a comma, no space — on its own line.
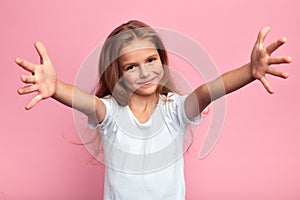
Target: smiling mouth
(148,82)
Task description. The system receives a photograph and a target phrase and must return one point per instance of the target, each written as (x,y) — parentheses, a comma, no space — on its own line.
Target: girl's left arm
(233,80)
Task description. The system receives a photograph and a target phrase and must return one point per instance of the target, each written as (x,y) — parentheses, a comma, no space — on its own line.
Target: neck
(143,103)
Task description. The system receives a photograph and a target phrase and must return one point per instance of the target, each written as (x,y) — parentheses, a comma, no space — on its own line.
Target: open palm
(42,79)
(261,59)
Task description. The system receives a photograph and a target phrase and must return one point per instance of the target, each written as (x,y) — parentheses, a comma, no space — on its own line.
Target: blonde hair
(109,70)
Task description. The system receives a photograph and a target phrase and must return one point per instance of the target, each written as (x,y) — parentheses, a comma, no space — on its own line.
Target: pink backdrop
(257,156)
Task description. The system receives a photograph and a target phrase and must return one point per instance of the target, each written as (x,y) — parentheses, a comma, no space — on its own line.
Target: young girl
(139,115)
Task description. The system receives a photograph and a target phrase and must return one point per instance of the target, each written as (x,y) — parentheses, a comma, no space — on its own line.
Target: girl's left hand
(261,59)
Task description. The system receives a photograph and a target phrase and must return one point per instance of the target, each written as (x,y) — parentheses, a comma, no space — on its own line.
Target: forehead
(136,45)
(136,49)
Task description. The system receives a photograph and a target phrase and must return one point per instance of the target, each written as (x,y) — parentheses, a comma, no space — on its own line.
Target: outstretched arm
(258,67)
(44,82)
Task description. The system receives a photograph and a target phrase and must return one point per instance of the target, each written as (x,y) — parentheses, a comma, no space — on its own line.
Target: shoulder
(111,105)
(173,106)
(171,97)
(110,102)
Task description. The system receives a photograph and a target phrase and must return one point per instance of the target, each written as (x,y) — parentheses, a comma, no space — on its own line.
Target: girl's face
(142,67)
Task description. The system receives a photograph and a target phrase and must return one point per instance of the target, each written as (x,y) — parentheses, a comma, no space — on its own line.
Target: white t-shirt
(144,161)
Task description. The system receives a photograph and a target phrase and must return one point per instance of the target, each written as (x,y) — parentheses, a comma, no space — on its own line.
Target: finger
(41,49)
(275,45)
(28,79)
(26,65)
(27,89)
(279,60)
(33,102)
(266,84)
(277,72)
(262,35)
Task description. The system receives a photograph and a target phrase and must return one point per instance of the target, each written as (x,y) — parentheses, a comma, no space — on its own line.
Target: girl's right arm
(43,81)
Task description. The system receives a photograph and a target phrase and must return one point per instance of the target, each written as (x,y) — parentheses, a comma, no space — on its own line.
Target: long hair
(110,73)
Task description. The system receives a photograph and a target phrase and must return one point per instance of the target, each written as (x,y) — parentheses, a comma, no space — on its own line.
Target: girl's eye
(130,67)
(150,60)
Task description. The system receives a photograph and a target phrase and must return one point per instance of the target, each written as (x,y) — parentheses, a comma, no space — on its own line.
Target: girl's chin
(147,90)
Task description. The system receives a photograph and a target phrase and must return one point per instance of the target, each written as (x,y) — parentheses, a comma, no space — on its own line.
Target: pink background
(257,156)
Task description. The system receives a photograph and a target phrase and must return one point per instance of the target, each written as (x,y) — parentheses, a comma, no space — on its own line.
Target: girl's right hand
(42,79)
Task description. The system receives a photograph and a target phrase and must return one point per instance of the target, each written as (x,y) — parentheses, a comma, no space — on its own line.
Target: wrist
(57,87)
(251,71)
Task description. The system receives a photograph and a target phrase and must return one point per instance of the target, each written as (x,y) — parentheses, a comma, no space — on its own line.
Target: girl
(140,117)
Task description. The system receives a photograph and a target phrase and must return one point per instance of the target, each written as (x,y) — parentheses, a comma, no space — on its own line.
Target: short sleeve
(176,112)
(194,121)
(93,123)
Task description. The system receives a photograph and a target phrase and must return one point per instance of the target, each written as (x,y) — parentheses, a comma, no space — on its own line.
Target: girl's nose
(143,71)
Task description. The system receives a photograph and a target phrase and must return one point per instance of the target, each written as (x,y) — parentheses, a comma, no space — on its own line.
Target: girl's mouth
(148,82)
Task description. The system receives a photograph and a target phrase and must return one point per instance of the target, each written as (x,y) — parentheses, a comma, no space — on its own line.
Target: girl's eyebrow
(153,55)
(134,63)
